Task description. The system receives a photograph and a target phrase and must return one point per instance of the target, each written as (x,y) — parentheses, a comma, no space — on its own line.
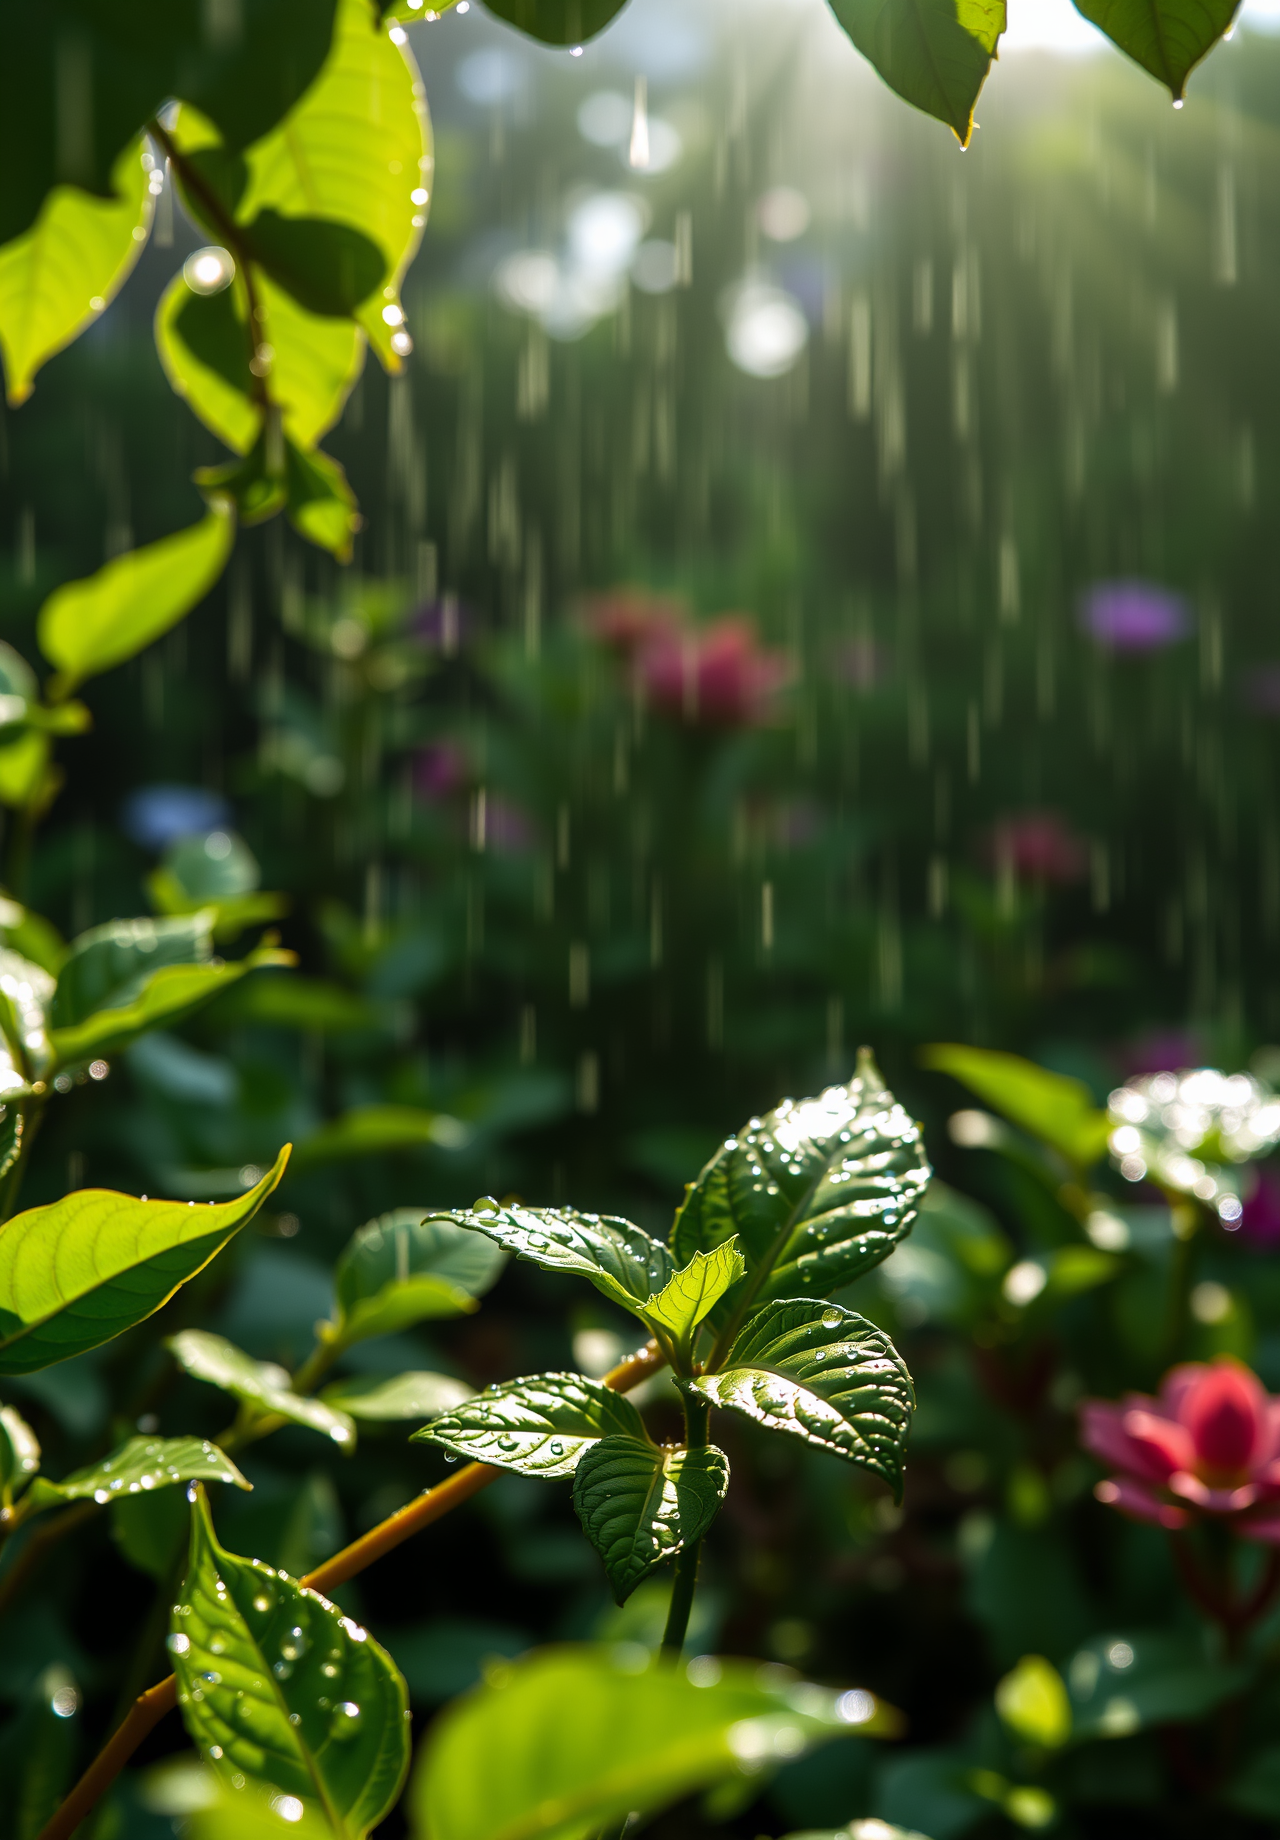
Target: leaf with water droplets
(261,1386)
(639,1504)
(556,22)
(401,1269)
(691,1293)
(539,1426)
(819,1372)
(817,1192)
(413,1395)
(1167,37)
(620,1259)
(278,1687)
(143,1464)
(934,53)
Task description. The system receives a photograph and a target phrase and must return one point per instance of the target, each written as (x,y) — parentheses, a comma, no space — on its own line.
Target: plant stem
(697,1414)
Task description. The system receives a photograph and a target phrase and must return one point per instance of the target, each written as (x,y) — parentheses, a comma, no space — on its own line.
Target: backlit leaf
(691,1293)
(1167,37)
(934,53)
(260,1385)
(401,1269)
(168,996)
(557,22)
(321,505)
(821,1373)
(141,1465)
(539,1426)
(400,1396)
(620,1259)
(57,278)
(81,1270)
(253,1813)
(19,1453)
(1051,1106)
(639,1504)
(24,768)
(278,1687)
(108,966)
(89,626)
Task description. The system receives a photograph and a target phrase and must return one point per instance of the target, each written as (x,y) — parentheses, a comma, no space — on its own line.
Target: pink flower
(439,770)
(1209,1445)
(628,618)
(711,674)
(1039,846)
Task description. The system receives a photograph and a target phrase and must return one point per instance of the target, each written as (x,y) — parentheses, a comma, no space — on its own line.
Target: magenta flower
(712,674)
(1134,616)
(1260,1216)
(1039,846)
(1209,1445)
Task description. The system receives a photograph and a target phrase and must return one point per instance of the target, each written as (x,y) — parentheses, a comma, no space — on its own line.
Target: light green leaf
(539,1426)
(1032,1701)
(639,1504)
(26,992)
(252,1813)
(108,966)
(557,22)
(934,53)
(278,1687)
(168,996)
(79,1271)
(401,1269)
(1051,1106)
(816,1192)
(374,1130)
(692,1293)
(57,278)
(141,1465)
(19,1454)
(24,769)
(1167,37)
(620,1259)
(586,1736)
(86,627)
(260,1385)
(301,1003)
(411,1395)
(821,1373)
(321,505)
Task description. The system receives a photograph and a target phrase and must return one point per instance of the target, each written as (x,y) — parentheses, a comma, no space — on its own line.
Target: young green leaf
(1051,1106)
(819,1372)
(19,1454)
(1167,37)
(934,53)
(639,1504)
(79,1271)
(586,1736)
(109,965)
(401,1269)
(24,770)
(321,505)
(278,1687)
(260,1385)
(253,1813)
(539,1426)
(26,992)
(373,1130)
(691,1293)
(816,1192)
(56,280)
(558,22)
(141,1465)
(412,1395)
(620,1259)
(86,627)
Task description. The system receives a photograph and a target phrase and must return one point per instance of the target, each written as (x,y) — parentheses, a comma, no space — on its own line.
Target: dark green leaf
(1051,1106)
(402,1269)
(328,267)
(277,1686)
(639,1504)
(558,22)
(322,506)
(151,1531)
(255,484)
(213,329)
(934,53)
(817,1192)
(108,967)
(539,1426)
(19,1454)
(167,996)
(300,1003)
(1167,37)
(1120,1684)
(620,1259)
(81,1270)
(143,1464)
(821,1373)
(412,1395)
(38,1753)
(373,1130)
(691,1293)
(260,1385)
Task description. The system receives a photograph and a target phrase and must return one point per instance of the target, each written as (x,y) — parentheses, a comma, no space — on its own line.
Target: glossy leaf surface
(691,1293)
(260,1385)
(639,1504)
(934,53)
(168,996)
(1167,37)
(81,1270)
(401,1396)
(402,1269)
(253,1813)
(109,965)
(585,1737)
(19,1453)
(141,1465)
(557,22)
(821,1373)
(539,1426)
(1051,1106)
(620,1259)
(277,1686)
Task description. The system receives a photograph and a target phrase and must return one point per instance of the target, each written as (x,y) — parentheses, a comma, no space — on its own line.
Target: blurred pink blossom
(439,769)
(717,674)
(1039,846)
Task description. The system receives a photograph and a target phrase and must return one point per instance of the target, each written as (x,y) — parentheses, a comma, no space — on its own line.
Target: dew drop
(329,1671)
(212,1678)
(345,1721)
(294,1645)
(178,1644)
(282,1669)
(262,1603)
(831,1319)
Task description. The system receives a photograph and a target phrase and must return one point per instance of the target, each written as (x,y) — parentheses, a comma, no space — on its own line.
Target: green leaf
(321,505)
(254,484)
(587,1735)
(1167,37)
(821,1373)
(620,1259)
(168,996)
(1051,1106)
(260,1385)
(143,1464)
(79,1271)
(639,1504)
(934,53)
(373,1130)
(401,1269)
(86,627)
(691,1293)
(151,1531)
(1120,1684)
(816,1192)
(327,267)
(300,1003)
(539,1426)
(252,1813)
(19,1454)
(24,769)
(557,22)
(411,1395)
(57,278)
(109,965)
(277,1686)
(26,992)
(1032,1701)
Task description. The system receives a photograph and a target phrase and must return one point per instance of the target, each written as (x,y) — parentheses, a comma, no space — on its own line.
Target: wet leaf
(639,1504)
(1167,37)
(934,53)
(620,1259)
(557,22)
(691,1293)
(411,1395)
(277,1687)
(539,1426)
(821,1373)
(138,1467)
(401,1269)
(1051,1106)
(260,1385)
(81,1270)
(19,1453)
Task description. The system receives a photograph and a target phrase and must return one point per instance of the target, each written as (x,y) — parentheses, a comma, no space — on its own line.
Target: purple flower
(1134,616)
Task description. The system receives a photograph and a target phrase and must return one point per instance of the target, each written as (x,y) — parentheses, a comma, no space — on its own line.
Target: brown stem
(147,1711)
